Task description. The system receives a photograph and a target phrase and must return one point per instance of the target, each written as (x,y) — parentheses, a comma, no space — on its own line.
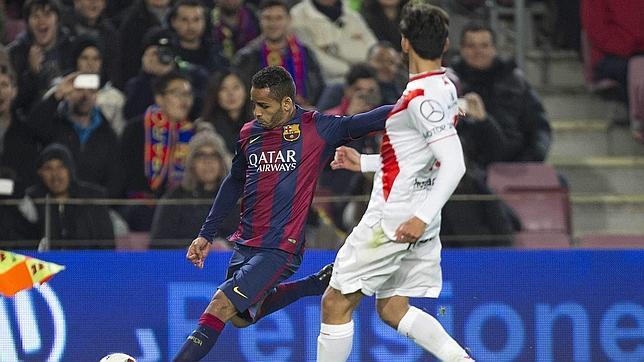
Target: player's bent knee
(392,310)
(337,305)
(221,307)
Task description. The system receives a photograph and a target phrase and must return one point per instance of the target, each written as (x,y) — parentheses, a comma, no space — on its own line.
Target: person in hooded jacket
(71,225)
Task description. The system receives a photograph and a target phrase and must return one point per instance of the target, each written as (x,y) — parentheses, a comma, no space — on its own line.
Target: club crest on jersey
(432,110)
(291,132)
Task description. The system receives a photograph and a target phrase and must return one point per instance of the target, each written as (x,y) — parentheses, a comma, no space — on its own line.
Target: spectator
(361,91)
(276,46)
(383,17)
(227,107)
(88,53)
(70,225)
(142,16)
(338,36)
(207,163)
(158,60)
(68,115)
(188,21)
(234,25)
(39,55)
(505,117)
(391,75)
(87,18)
(616,35)
(13,225)
(154,146)
(18,147)
(361,78)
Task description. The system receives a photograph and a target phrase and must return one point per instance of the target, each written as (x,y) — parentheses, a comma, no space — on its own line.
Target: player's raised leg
(287,293)
(420,327)
(336,331)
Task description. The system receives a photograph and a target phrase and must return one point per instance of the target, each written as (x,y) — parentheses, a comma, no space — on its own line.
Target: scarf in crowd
(166,147)
(293,61)
(234,37)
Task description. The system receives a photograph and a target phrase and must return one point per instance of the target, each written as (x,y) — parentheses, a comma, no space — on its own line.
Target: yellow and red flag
(19,272)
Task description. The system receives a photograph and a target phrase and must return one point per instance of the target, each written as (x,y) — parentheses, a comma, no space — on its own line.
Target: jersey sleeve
(338,130)
(229,193)
(431,118)
(370,163)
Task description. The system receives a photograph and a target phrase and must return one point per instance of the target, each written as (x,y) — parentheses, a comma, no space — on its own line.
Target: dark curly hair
(426,28)
(278,80)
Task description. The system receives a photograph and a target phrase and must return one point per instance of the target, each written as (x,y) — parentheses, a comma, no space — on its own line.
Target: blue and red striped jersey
(275,173)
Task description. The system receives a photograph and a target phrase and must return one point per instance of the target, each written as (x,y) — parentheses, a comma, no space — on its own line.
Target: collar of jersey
(413,77)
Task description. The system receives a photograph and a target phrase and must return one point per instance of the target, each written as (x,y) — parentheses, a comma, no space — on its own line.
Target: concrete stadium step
(607,214)
(621,175)
(592,137)
(554,68)
(576,104)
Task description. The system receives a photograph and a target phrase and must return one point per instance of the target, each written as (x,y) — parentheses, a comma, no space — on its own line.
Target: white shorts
(370,262)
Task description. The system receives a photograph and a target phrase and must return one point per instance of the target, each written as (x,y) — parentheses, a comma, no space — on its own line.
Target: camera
(165,54)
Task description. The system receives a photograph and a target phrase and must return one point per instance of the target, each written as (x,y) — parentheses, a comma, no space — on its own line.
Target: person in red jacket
(615,32)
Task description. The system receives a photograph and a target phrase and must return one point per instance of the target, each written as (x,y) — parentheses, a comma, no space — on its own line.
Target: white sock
(335,342)
(428,333)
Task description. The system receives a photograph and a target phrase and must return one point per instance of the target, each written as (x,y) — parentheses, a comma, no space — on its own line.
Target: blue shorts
(253,273)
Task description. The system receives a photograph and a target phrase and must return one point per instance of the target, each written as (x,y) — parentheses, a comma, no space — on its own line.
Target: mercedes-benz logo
(432,110)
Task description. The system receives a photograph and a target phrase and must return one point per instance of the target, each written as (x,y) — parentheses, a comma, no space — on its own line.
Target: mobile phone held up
(87,81)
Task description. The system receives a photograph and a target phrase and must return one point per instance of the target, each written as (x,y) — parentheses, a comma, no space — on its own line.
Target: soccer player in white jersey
(394,252)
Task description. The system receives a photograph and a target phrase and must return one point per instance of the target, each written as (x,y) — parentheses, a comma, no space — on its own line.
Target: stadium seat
(611,241)
(534,192)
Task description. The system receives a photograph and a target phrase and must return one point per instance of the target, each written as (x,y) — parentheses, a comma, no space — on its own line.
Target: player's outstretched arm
(361,124)
(229,193)
(227,197)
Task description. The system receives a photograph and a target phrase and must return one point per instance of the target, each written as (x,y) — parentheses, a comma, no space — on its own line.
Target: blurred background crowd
(134,157)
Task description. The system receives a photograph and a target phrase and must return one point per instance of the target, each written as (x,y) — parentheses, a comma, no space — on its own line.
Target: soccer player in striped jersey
(277,162)
(394,252)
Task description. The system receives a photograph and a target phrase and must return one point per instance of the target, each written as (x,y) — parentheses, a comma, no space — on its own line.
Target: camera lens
(165,55)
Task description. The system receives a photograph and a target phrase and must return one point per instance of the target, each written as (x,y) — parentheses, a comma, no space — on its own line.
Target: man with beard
(187,19)
(68,115)
(277,46)
(278,158)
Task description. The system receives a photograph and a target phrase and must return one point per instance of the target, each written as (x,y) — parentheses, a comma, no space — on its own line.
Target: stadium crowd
(163,118)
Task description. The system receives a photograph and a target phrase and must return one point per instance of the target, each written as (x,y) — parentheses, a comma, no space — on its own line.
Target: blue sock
(201,341)
(287,293)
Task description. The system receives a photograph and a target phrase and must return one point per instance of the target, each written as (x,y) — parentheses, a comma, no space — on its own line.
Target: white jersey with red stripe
(425,113)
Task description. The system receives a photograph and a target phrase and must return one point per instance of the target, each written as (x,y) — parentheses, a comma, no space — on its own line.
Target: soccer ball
(117,357)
